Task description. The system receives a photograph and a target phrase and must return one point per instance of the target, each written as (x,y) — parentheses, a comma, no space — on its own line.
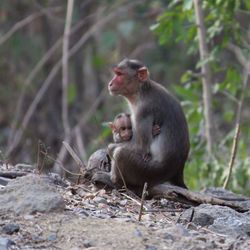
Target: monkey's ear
(143,74)
(111,125)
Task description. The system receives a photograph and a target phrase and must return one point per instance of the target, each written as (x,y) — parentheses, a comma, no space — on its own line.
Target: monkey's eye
(118,73)
(123,128)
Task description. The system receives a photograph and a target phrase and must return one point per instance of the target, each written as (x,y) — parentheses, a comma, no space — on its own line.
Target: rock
(151,248)
(10,228)
(52,237)
(6,243)
(222,220)
(138,233)
(168,236)
(87,244)
(98,161)
(30,194)
(4,181)
(98,200)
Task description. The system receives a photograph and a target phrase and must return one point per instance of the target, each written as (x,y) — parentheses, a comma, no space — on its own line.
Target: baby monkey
(122,132)
(122,128)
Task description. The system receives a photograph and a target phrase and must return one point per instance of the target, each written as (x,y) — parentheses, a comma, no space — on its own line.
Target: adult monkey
(146,158)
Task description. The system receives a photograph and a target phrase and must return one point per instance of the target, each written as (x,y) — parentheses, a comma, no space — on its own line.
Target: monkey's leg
(128,166)
(178,180)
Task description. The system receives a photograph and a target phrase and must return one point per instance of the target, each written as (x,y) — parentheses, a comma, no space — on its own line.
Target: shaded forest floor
(40,212)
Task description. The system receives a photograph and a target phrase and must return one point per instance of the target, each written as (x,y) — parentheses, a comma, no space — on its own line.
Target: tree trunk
(206,76)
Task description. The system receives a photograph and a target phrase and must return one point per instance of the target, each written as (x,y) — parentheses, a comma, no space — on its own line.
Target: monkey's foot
(102,178)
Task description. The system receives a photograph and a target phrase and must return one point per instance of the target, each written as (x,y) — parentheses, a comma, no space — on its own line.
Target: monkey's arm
(143,131)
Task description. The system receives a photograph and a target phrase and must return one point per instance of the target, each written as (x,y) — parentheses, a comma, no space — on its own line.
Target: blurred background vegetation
(163,34)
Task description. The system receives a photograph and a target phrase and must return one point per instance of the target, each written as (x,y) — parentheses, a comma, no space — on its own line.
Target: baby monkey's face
(122,128)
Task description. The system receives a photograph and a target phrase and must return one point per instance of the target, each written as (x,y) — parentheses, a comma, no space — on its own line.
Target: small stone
(151,248)
(6,243)
(11,228)
(137,233)
(37,239)
(81,192)
(147,217)
(100,200)
(52,237)
(168,236)
(123,202)
(87,244)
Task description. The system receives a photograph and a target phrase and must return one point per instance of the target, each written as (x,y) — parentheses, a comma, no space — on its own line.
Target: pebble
(87,244)
(151,248)
(137,233)
(100,200)
(11,228)
(6,243)
(52,237)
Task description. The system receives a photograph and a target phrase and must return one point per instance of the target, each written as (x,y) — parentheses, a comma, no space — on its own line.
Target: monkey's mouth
(113,91)
(126,138)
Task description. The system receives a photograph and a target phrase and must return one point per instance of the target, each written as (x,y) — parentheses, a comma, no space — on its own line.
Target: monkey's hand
(156,130)
(146,157)
(111,148)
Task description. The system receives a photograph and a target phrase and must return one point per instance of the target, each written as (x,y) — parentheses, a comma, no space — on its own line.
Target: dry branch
(33,74)
(206,72)
(65,68)
(74,156)
(190,197)
(85,118)
(144,192)
(25,22)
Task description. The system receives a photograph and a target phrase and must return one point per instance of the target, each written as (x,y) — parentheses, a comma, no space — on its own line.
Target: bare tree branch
(240,57)
(246,66)
(23,23)
(65,68)
(85,118)
(33,74)
(237,130)
(206,72)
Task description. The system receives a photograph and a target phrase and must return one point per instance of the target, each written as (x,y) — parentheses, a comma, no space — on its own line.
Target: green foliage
(177,24)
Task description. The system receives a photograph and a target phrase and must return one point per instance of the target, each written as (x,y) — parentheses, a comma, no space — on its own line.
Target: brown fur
(146,158)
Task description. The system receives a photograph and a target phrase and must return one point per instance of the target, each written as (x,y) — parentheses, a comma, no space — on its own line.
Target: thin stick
(74,155)
(38,157)
(207,76)
(237,130)
(132,199)
(65,68)
(80,144)
(24,22)
(60,164)
(144,192)
(81,123)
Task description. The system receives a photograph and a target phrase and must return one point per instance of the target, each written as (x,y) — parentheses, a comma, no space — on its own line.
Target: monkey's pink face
(117,85)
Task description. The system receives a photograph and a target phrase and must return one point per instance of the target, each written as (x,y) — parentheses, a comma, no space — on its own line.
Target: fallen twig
(179,194)
(144,192)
